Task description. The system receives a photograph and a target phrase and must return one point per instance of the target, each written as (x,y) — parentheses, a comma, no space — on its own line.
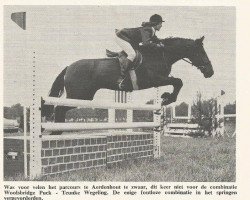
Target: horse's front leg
(177,85)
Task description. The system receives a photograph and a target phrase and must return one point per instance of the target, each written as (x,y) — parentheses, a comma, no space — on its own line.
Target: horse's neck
(179,51)
(173,57)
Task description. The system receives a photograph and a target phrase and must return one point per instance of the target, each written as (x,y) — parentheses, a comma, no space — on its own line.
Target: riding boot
(126,65)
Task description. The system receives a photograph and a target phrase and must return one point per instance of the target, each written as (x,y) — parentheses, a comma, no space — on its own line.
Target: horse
(83,78)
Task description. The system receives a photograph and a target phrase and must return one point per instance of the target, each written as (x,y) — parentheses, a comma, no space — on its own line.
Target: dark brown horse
(82,79)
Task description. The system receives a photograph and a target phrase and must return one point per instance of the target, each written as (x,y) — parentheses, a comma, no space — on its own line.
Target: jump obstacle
(51,155)
(186,129)
(218,117)
(180,129)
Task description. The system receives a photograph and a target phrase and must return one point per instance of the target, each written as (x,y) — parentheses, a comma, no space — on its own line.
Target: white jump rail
(180,129)
(182,125)
(229,115)
(95,126)
(95,104)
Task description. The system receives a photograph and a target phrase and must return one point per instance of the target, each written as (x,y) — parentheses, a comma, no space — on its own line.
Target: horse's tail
(58,85)
(56,90)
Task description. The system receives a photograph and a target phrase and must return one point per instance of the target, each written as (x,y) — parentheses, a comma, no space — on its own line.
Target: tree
(13,112)
(202,111)
(182,109)
(16,112)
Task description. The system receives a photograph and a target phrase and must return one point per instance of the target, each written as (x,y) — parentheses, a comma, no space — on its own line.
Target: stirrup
(121,85)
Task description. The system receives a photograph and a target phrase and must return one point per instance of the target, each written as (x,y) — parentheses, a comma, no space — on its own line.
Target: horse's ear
(200,40)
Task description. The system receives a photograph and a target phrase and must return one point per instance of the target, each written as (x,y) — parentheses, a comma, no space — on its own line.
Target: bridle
(198,67)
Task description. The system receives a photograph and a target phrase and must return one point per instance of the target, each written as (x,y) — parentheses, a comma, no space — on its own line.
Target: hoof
(166,95)
(166,102)
(167,99)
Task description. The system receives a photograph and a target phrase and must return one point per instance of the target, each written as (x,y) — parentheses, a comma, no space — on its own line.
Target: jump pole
(111,111)
(25,141)
(157,130)
(35,128)
(220,116)
(129,111)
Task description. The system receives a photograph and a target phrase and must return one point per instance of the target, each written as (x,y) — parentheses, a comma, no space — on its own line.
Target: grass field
(182,160)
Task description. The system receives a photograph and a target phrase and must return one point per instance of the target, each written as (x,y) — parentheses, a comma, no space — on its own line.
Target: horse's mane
(171,41)
(172,44)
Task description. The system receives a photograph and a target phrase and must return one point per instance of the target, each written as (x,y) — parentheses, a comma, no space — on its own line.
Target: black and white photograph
(120,93)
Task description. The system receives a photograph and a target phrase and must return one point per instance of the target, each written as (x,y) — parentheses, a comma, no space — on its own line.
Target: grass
(182,160)
(198,160)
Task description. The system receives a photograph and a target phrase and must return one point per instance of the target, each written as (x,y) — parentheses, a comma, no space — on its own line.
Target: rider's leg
(128,63)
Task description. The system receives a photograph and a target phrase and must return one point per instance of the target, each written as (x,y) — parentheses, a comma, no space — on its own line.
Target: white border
(243,79)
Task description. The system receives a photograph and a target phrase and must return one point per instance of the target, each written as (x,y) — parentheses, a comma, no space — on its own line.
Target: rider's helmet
(156,19)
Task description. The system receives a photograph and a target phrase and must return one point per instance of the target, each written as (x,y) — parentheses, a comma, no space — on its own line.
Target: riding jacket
(135,36)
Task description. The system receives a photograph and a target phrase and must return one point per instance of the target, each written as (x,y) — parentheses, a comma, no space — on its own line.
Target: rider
(129,39)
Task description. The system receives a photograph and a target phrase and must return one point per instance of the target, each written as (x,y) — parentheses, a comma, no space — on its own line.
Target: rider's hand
(160,45)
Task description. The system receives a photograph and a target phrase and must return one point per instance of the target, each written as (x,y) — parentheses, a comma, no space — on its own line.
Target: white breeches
(125,46)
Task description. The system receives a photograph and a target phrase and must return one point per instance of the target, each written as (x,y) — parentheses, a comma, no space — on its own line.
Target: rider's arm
(155,39)
(148,39)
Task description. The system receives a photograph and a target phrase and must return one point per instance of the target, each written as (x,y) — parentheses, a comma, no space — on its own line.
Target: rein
(199,67)
(187,61)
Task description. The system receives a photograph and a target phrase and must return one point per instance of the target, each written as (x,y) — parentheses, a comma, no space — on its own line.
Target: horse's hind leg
(60,115)
(60,111)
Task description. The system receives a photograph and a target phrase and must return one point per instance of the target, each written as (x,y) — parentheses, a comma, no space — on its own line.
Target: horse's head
(199,58)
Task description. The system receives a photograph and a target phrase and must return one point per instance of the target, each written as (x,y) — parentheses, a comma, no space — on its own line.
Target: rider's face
(158,26)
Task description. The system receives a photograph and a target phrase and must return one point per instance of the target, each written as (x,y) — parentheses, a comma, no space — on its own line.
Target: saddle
(136,63)
(122,54)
